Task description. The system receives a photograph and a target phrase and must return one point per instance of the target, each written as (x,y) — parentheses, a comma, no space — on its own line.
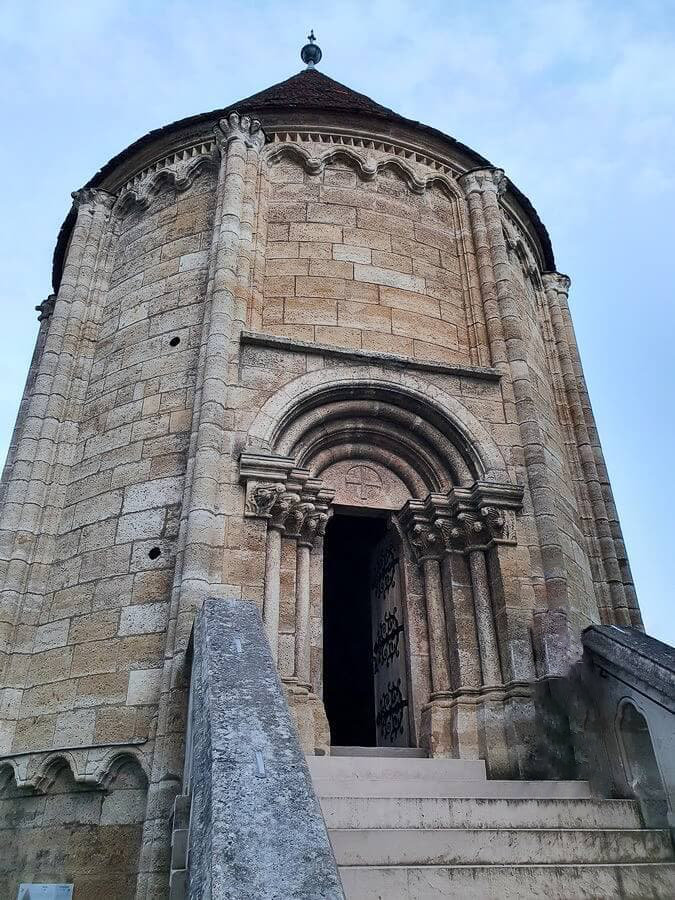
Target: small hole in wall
(154,553)
(174,342)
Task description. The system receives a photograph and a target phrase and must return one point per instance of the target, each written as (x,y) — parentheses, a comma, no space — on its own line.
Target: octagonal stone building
(308,354)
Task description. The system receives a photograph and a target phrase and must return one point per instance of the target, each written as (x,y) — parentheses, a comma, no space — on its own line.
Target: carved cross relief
(364,481)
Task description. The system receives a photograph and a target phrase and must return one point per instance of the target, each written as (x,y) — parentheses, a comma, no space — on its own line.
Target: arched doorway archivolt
(454,445)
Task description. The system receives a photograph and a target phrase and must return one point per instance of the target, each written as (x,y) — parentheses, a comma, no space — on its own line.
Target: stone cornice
(359,139)
(264,466)
(366,164)
(258,339)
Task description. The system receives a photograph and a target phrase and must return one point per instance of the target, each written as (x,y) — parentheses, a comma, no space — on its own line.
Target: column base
(310,719)
(449,727)
(513,727)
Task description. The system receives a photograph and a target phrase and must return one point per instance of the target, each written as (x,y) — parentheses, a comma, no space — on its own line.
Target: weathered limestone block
(256,830)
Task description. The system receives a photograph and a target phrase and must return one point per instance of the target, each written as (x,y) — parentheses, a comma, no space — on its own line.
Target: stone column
(302,613)
(485,624)
(272,588)
(507,343)
(284,507)
(312,530)
(237,137)
(622,556)
(428,547)
(557,288)
(433,592)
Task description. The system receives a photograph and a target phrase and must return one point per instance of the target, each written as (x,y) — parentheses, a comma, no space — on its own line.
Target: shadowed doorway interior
(348,684)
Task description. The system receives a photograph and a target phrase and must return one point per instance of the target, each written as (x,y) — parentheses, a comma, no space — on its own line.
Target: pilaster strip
(487,185)
(556,285)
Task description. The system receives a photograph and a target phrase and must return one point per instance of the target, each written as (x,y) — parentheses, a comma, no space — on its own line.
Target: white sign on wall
(45,892)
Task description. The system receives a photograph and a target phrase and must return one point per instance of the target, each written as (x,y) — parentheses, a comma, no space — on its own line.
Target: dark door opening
(348,681)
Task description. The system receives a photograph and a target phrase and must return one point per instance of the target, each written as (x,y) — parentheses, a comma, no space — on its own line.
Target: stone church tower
(309,355)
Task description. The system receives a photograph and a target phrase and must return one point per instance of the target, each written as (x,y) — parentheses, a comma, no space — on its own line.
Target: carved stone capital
(424,536)
(461,520)
(260,498)
(556,281)
(284,507)
(94,198)
(483,181)
(297,516)
(239,128)
(312,527)
(46,308)
(426,541)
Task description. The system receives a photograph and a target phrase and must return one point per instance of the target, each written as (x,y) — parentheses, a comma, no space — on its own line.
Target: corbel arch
(366,167)
(50,768)
(180,177)
(111,765)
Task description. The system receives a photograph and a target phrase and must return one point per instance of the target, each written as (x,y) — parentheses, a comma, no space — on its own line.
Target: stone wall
(93,672)
(364,264)
(73,833)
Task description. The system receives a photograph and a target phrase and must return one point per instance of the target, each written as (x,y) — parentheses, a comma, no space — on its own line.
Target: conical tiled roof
(311,89)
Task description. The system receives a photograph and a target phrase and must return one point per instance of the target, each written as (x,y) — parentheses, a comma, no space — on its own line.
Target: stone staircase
(408,828)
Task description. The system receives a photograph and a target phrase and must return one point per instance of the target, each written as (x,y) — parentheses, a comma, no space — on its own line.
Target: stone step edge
(566,800)
(663,864)
(508,829)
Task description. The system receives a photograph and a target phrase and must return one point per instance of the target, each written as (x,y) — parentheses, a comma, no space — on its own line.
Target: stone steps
(411,828)
(372,768)
(492,846)
(450,788)
(555,882)
(419,778)
(379,752)
(429,812)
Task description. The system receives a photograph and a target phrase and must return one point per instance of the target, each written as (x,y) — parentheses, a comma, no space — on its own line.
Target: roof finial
(311,53)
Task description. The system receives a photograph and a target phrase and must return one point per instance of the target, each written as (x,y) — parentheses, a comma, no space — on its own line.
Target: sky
(575,100)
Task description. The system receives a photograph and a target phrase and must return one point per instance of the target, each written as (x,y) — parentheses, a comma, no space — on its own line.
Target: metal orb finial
(311,53)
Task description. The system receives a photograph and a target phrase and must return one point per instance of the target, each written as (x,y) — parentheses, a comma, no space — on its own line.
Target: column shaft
(485,624)
(272,590)
(556,285)
(438,644)
(43,438)
(302,601)
(486,221)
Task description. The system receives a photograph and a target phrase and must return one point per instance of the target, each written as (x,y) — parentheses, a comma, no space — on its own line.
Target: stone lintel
(482,373)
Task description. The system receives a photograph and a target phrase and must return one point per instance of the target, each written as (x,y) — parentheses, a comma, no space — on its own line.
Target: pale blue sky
(575,100)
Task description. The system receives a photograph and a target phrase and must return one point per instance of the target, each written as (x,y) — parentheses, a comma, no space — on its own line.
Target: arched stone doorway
(413,475)
(641,768)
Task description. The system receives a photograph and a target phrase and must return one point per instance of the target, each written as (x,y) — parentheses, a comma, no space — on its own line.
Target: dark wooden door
(389,647)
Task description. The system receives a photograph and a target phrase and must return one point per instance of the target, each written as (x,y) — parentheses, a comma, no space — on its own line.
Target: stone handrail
(254,830)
